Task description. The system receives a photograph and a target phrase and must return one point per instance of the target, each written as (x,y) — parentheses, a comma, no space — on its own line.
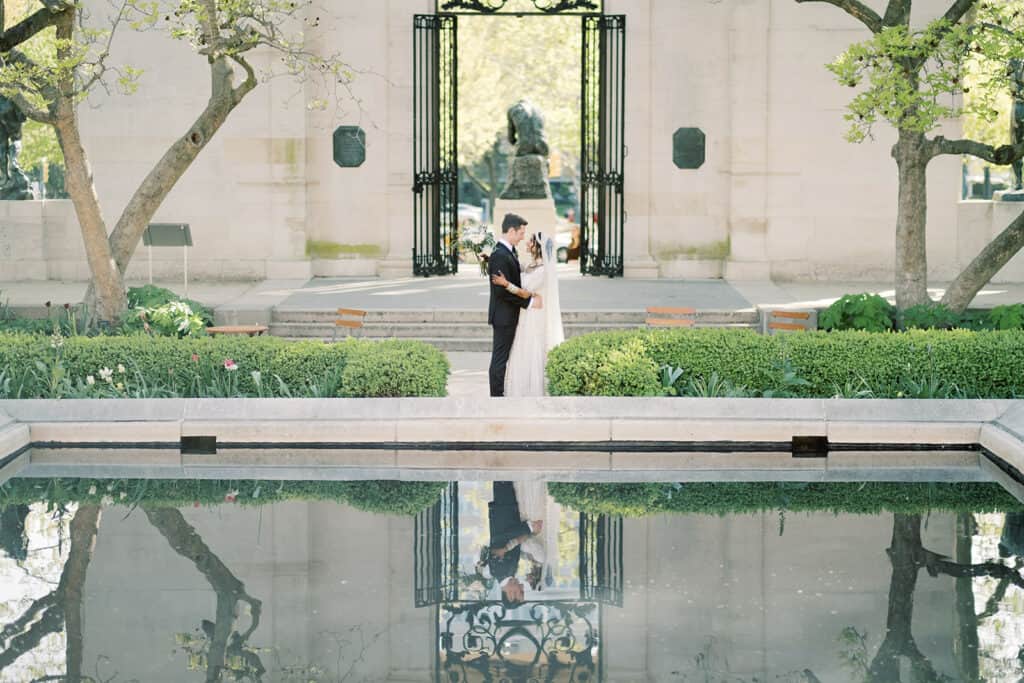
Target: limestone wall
(781,194)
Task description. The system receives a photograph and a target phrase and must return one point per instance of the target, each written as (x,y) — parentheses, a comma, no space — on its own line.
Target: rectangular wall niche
(349,146)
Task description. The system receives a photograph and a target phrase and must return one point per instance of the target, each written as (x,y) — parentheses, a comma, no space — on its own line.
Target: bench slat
(669,310)
(669,322)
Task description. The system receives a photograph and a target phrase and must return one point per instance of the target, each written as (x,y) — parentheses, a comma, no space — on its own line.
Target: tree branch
(897,13)
(476,179)
(28,27)
(1002,155)
(957,10)
(246,86)
(858,10)
(985,265)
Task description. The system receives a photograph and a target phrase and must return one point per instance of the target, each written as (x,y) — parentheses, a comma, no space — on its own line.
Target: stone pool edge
(463,434)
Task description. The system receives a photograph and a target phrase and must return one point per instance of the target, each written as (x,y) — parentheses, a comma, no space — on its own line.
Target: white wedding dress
(538,331)
(536,504)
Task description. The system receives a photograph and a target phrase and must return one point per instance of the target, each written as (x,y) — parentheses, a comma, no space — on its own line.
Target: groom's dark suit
(504,524)
(503,314)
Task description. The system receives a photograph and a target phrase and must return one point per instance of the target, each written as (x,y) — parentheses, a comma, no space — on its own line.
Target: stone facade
(781,193)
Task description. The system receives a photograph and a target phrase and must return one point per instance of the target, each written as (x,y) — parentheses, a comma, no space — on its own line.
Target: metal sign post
(168,235)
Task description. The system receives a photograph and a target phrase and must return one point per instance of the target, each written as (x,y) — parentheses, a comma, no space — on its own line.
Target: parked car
(470,215)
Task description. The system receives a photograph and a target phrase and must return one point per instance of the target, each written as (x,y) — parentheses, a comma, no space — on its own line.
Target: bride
(539,330)
(539,549)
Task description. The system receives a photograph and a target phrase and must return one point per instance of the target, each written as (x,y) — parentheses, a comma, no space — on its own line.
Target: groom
(507,531)
(504,307)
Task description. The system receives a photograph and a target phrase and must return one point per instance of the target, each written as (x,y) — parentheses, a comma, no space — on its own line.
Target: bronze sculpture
(13,181)
(528,172)
(1016,70)
(526,129)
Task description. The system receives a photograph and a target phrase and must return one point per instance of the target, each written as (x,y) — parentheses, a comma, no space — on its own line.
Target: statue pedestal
(1008,196)
(527,178)
(539,215)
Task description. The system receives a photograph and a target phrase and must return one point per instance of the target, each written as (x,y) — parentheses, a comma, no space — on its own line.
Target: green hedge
(637,500)
(164,366)
(986,364)
(389,497)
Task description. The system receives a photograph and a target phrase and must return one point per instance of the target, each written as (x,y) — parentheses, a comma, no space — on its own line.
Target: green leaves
(912,79)
(868,312)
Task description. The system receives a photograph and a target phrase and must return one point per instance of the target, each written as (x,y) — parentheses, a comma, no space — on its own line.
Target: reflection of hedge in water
(637,500)
(392,497)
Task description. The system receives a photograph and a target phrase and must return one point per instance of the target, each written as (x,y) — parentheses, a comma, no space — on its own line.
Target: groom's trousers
(502,345)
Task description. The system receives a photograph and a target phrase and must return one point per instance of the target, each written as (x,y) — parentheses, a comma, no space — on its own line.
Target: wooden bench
(670,316)
(349,318)
(251,330)
(780,320)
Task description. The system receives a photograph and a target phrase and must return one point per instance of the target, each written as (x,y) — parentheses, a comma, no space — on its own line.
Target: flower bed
(139,366)
(853,364)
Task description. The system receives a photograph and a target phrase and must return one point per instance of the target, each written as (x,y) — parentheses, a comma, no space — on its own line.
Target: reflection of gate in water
(601,558)
(535,641)
(552,640)
(436,551)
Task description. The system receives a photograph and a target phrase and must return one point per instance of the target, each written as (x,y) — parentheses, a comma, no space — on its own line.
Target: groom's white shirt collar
(502,240)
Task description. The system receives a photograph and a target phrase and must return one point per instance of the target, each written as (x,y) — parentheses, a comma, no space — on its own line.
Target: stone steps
(455,330)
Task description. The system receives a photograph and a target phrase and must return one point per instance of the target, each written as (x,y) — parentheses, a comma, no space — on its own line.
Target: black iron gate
(601,558)
(602,148)
(436,550)
(435,169)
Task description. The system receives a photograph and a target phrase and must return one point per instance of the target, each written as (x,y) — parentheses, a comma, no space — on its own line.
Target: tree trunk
(83,539)
(985,265)
(107,283)
(492,192)
(187,542)
(911,265)
(178,158)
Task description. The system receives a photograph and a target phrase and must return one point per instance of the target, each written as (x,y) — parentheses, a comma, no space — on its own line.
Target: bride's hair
(536,246)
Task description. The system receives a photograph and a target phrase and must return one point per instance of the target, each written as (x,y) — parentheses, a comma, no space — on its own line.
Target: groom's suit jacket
(504,306)
(504,523)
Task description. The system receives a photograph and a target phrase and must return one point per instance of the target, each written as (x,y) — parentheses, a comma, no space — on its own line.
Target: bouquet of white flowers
(480,240)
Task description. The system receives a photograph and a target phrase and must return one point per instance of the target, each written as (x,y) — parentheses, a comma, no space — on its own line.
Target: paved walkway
(468,291)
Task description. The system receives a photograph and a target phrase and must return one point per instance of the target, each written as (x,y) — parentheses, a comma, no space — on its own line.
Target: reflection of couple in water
(523,522)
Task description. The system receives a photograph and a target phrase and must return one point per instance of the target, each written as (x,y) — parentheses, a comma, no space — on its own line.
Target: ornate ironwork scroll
(537,641)
(520,6)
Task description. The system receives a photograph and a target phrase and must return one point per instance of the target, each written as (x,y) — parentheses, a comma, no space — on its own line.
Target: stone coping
(576,436)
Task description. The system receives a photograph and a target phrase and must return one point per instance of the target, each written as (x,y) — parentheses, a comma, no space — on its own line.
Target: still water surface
(120,582)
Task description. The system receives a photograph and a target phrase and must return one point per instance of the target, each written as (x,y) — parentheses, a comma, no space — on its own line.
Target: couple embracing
(523,522)
(524,310)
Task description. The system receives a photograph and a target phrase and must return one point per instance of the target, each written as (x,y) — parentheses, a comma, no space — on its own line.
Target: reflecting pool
(298,581)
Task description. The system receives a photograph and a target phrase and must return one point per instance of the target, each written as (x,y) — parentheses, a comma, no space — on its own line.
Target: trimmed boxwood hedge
(987,364)
(722,498)
(383,496)
(354,367)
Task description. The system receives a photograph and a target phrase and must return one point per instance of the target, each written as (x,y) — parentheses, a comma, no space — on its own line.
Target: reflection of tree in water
(13,539)
(61,608)
(224,649)
(908,556)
